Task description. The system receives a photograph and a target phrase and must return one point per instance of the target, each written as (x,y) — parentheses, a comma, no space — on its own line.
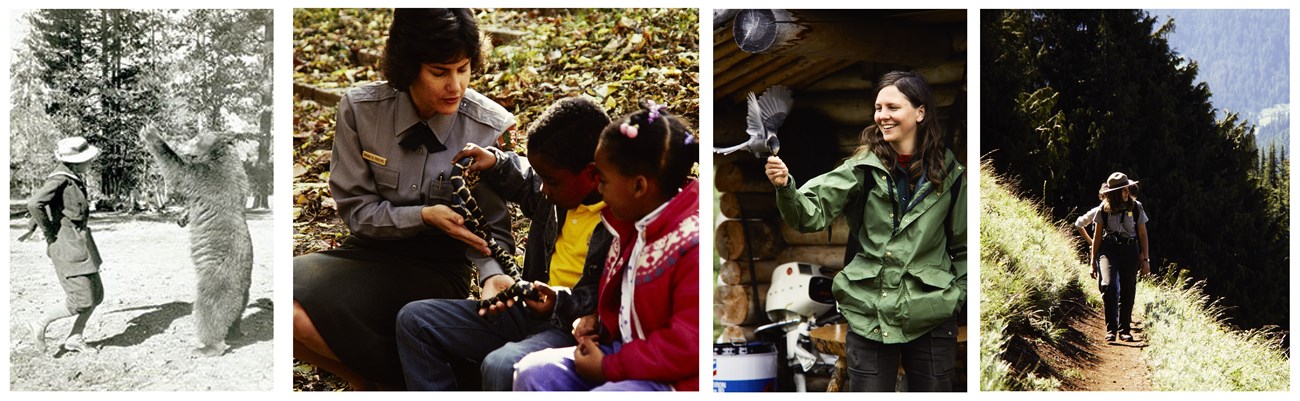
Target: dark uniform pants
(1118,296)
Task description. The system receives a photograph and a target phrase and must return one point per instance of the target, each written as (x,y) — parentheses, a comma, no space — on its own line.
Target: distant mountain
(1243,55)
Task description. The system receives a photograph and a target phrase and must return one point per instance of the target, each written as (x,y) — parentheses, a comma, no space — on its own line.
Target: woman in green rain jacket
(903,286)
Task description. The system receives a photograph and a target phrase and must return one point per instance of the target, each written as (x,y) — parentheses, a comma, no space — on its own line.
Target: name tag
(374,158)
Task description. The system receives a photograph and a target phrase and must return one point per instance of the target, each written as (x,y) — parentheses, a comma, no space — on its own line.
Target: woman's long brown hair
(929,138)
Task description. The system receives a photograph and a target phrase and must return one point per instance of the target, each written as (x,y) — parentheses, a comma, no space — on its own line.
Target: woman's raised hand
(483,159)
(777,172)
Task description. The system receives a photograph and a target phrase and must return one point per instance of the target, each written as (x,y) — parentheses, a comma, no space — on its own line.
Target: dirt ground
(144,330)
(1118,365)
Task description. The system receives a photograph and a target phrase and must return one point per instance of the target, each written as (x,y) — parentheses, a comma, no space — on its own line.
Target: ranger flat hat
(1117,181)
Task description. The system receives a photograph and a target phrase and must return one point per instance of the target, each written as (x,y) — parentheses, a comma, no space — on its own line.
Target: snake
(463,180)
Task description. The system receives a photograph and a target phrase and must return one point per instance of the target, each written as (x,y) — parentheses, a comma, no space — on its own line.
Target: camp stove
(799,296)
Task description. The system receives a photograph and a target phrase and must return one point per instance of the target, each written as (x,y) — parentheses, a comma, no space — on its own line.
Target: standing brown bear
(213,183)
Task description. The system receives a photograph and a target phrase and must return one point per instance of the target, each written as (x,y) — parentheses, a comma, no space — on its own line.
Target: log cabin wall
(830,59)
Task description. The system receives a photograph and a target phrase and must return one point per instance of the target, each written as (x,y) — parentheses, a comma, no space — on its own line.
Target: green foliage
(1029,283)
(1073,95)
(1192,350)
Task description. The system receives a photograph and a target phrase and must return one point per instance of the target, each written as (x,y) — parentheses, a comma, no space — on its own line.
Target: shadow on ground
(257,327)
(152,323)
(1049,356)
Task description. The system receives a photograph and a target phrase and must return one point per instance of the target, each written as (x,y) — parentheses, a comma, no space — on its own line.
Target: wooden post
(841,34)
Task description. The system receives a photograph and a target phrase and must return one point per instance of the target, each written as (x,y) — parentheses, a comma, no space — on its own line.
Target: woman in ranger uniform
(904,281)
(61,208)
(390,174)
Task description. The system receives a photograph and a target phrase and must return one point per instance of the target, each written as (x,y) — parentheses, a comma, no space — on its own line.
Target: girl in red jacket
(645,334)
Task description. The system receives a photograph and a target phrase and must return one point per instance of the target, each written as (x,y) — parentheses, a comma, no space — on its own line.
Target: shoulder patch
(485,111)
(372,92)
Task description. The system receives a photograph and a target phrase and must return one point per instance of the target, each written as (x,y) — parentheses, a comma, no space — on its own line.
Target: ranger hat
(1117,181)
(75,150)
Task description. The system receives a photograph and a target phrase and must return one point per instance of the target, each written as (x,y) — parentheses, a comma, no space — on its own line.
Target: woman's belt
(1119,239)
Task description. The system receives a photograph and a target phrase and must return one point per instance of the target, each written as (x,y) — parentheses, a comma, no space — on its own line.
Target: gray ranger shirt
(380,187)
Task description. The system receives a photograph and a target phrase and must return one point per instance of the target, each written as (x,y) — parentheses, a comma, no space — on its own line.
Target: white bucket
(739,368)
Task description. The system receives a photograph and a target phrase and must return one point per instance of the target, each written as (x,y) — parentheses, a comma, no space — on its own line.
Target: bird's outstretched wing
(754,118)
(775,104)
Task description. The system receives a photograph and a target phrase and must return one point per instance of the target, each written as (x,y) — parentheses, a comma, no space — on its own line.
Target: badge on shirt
(374,158)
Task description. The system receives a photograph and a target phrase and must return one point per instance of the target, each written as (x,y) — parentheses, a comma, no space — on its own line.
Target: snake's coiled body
(516,291)
(462,181)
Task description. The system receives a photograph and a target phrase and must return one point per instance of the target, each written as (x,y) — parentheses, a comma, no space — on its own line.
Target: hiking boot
(1126,337)
(76,343)
(1110,336)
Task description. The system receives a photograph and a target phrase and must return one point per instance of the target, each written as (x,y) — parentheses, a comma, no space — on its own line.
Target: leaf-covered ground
(617,56)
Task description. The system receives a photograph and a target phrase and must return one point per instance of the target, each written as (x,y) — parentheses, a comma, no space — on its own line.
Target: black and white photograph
(139,210)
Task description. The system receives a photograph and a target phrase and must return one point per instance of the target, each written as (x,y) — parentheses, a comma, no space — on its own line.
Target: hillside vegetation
(1075,95)
(1035,286)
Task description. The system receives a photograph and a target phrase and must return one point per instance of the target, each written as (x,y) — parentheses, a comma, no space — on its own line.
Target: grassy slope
(1032,275)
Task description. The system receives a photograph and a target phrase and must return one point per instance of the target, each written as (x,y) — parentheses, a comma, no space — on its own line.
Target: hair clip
(655,110)
(628,129)
(689,138)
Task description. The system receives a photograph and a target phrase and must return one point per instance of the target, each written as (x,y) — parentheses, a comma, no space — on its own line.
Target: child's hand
(493,286)
(547,305)
(587,359)
(585,326)
(777,172)
(483,159)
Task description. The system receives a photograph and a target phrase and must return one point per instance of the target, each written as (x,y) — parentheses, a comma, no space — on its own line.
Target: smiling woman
(389,170)
(903,286)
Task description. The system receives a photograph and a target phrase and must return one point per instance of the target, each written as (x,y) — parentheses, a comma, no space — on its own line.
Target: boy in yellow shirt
(441,340)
